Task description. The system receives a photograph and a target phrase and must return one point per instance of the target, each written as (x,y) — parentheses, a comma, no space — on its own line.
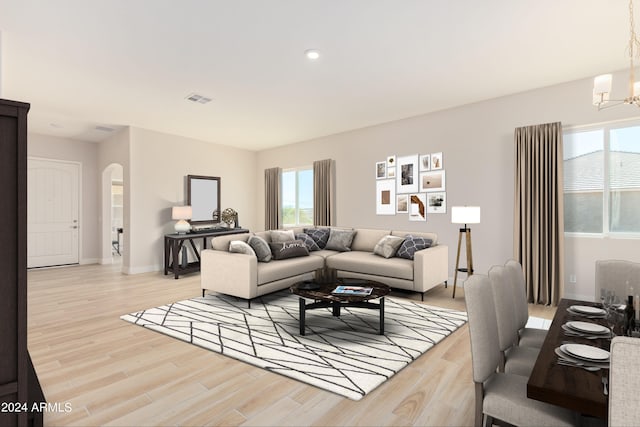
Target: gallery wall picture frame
(437,202)
(386,197)
(402,203)
(391,161)
(391,172)
(425,162)
(432,181)
(436,161)
(407,174)
(381,170)
(418,207)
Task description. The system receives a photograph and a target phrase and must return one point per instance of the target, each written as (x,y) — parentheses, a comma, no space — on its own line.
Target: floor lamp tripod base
(469,269)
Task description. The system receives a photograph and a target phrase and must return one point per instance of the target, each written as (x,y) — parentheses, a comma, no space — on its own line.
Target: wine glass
(613,319)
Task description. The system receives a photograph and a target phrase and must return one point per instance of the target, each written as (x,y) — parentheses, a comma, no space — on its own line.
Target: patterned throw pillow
(292,249)
(261,248)
(308,241)
(279,236)
(411,245)
(388,246)
(240,247)
(319,235)
(340,240)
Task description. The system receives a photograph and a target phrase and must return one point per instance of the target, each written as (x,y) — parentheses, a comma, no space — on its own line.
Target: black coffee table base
(337,305)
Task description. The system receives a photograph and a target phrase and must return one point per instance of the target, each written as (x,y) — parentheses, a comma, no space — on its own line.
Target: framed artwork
(436,161)
(432,181)
(407,174)
(425,162)
(418,207)
(437,202)
(391,172)
(402,204)
(386,197)
(381,170)
(391,161)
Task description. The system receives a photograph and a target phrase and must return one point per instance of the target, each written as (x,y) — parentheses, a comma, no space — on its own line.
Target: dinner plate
(586,309)
(592,328)
(586,352)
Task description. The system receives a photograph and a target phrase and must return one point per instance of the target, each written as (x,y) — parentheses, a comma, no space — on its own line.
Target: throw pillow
(319,235)
(279,236)
(340,240)
(261,248)
(308,241)
(292,249)
(388,246)
(411,245)
(240,247)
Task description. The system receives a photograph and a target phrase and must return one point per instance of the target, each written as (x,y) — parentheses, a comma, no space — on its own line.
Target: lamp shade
(465,215)
(181,212)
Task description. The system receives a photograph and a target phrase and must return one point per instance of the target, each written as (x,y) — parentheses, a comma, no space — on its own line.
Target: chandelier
(602,84)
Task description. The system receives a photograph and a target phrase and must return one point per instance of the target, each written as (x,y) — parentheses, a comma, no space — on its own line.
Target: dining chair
(499,395)
(624,382)
(617,275)
(527,337)
(514,359)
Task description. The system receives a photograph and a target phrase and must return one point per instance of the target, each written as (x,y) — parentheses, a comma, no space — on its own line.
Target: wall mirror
(203,195)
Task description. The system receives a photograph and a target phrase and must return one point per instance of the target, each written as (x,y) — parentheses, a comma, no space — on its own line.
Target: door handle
(74,226)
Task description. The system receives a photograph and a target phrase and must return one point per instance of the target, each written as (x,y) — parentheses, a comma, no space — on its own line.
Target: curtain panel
(272,198)
(323,192)
(538,211)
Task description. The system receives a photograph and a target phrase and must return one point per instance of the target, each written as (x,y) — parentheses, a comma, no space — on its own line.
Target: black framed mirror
(203,195)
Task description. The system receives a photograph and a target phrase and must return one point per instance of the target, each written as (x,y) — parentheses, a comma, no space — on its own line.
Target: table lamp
(464,215)
(182,213)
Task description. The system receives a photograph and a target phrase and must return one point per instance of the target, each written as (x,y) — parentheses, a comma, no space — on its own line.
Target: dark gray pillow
(261,248)
(388,246)
(292,249)
(340,240)
(308,241)
(319,235)
(411,245)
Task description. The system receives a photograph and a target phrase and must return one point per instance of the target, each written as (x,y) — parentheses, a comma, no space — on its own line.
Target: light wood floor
(114,373)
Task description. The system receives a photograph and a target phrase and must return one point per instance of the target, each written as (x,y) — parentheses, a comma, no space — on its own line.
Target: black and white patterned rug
(344,355)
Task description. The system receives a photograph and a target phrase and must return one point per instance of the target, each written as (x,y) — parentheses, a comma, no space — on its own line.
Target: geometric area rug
(344,355)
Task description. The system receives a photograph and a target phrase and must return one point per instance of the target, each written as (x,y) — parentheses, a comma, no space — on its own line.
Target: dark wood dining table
(567,386)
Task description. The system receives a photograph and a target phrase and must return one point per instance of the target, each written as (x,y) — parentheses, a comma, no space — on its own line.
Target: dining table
(570,387)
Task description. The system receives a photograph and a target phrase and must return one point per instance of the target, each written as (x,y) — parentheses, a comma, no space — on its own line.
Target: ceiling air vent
(194,97)
(104,128)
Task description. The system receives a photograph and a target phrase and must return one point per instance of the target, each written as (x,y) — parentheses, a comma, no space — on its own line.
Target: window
(602,180)
(297,197)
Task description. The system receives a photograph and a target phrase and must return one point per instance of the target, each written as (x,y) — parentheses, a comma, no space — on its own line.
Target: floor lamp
(464,215)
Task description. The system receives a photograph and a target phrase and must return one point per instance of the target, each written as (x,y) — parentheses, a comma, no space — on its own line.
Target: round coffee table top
(323,290)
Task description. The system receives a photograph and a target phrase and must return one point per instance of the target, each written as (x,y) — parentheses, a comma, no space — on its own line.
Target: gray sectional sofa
(242,275)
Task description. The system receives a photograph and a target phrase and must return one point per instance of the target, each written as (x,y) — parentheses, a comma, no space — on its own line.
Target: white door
(52,213)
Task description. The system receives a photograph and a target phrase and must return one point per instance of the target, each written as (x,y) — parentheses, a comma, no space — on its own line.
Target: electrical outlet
(572,278)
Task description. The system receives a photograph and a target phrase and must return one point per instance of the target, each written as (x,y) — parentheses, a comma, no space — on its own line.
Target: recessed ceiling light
(312,54)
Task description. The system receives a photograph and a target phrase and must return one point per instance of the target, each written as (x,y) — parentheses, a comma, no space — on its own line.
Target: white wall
(86,153)
(477,144)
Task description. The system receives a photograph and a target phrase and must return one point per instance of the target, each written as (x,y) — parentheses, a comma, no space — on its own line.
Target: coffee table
(323,298)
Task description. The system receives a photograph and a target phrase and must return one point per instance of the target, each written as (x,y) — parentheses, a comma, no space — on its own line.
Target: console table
(174,242)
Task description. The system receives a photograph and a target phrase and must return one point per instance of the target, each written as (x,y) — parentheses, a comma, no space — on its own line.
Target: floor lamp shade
(181,213)
(465,215)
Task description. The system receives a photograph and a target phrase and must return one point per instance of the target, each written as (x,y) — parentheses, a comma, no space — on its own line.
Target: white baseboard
(89,261)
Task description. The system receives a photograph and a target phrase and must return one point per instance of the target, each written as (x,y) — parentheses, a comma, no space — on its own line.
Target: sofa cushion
(369,263)
(340,240)
(308,241)
(411,245)
(366,239)
(323,253)
(291,249)
(387,246)
(221,243)
(261,248)
(282,269)
(240,247)
(319,235)
(279,236)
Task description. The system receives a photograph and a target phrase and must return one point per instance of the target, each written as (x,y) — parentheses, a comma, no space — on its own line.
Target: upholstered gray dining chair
(514,359)
(499,395)
(617,275)
(624,382)
(527,337)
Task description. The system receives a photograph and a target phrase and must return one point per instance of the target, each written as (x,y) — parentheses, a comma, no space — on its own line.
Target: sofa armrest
(229,273)
(430,267)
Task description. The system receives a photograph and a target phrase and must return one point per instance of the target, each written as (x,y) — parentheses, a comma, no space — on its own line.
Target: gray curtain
(323,192)
(272,198)
(538,211)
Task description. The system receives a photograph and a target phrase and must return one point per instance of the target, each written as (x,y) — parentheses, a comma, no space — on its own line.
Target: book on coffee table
(352,290)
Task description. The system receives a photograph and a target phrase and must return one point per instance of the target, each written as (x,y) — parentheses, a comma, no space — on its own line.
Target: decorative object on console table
(464,215)
(181,213)
(230,216)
